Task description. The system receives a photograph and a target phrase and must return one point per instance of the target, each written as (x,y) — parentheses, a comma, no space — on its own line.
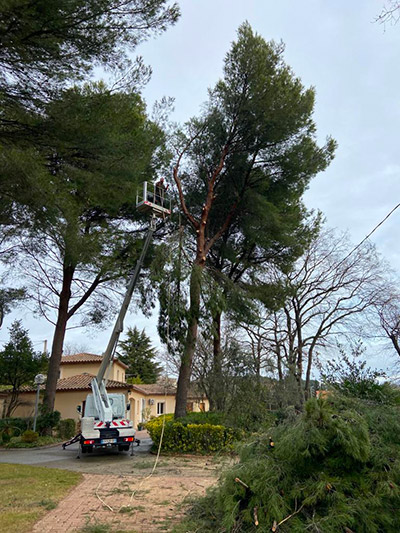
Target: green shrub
(29,436)
(18,425)
(5,437)
(205,417)
(67,428)
(180,436)
(47,420)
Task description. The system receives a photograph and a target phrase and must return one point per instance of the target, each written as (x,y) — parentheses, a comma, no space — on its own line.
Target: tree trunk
(13,403)
(395,343)
(58,339)
(299,364)
(217,396)
(190,343)
(308,372)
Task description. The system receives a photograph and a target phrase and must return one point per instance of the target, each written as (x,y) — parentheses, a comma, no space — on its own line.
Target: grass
(27,492)
(101,528)
(96,528)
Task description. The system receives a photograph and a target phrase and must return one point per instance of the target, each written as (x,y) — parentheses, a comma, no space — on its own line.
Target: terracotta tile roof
(86,358)
(154,389)
(158,389)
(79,382)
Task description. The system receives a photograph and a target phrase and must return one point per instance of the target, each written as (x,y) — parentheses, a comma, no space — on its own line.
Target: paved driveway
(100,462)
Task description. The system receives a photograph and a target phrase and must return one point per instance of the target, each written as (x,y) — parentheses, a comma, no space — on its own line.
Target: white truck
(104,423)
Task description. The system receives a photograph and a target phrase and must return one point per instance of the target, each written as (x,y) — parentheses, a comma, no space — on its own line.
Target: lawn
(27,492)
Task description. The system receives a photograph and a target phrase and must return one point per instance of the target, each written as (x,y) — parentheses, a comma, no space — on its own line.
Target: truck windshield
(117,403)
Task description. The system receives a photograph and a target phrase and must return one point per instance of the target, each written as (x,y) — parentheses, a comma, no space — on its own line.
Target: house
(76,373)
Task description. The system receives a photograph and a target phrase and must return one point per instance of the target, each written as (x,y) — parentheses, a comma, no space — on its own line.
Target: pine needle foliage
(137,352)
(331,469)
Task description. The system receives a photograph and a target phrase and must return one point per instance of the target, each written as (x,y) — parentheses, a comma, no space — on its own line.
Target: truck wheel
(123,448)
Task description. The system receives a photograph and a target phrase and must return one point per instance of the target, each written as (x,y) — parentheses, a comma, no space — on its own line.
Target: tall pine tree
(253,147)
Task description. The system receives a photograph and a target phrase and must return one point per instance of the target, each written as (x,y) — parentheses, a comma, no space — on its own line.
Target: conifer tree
(137,352)
(335,467)
(19,363)
(46,43)
(253,148)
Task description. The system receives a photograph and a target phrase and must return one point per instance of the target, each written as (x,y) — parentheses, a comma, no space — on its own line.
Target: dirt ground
(139,502)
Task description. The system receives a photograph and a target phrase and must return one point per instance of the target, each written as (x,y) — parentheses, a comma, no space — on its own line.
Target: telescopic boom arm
(119,325)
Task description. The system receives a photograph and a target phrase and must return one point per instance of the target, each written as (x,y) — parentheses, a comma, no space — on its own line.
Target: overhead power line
(369,234)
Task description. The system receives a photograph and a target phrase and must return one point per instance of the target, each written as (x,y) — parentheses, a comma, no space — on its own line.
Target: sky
(335,46)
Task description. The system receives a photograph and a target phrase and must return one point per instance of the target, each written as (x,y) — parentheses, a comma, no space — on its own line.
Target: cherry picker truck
(104,423)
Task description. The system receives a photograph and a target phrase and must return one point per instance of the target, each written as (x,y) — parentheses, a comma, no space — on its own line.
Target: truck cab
(116,433)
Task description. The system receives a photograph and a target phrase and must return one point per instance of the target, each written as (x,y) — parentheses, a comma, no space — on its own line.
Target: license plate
(108,441)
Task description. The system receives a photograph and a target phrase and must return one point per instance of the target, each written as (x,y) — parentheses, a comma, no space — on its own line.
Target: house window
(160,408)
(189,407)
(117,375)
(202,407)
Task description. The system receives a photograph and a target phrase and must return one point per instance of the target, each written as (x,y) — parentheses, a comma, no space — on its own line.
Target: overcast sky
(334,46)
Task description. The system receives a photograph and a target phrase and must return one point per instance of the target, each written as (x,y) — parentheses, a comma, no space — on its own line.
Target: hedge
(67,428)
(195,438)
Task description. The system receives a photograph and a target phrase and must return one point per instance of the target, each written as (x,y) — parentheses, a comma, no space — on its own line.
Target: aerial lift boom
(100,396)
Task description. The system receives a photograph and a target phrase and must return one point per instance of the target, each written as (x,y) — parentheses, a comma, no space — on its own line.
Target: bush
(5,437)
(335,467)
(29,436)
(67,428)
(180,436)
(47,420)
(205,417)
(17,425)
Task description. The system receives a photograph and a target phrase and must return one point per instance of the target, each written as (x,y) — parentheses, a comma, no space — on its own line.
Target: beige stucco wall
(74,369)
(116,372)
(26,407)
(139,400)
(66,402)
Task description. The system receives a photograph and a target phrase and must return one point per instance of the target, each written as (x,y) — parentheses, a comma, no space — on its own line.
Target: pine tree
(137,352)
(19,363)
(96,147)
(253,151)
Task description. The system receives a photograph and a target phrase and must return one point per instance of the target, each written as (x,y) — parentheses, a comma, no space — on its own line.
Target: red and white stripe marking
(116,423)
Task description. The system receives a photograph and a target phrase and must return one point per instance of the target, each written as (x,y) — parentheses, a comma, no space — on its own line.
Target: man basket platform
(152,198)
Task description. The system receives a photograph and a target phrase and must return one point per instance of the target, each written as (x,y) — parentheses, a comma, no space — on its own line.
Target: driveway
(100,462)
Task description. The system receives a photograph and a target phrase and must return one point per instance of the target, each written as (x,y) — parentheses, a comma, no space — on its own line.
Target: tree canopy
(45,44)
(249,156)
(96,146)
(137,352)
